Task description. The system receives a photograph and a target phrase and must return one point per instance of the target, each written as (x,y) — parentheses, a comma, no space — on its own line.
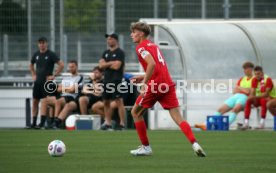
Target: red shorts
(167,100)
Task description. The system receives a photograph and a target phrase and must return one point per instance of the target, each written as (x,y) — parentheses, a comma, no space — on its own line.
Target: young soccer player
(155,81)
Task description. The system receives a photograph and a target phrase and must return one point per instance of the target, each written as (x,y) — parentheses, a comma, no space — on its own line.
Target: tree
(83,15)
(13,18)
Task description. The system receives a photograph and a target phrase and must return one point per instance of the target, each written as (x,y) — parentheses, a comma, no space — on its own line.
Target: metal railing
(75,30)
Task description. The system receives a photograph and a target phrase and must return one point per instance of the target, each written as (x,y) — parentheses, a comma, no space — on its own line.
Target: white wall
(12,107)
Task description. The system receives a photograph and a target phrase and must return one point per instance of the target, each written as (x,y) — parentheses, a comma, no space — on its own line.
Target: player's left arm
(57,71)
(59,68)
(103,64)
(268,88)
(118,62)
(62,88)
(252,91)
(74,86)
(116,65)
(237,87)
(71,89)
(265,94)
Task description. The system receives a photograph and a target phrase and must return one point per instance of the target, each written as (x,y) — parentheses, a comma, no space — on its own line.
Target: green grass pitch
(108,152)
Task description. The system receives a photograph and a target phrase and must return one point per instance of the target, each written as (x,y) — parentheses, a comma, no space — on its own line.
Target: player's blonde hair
(140,26)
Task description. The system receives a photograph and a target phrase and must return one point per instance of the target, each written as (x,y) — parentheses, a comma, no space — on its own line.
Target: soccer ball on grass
(56,148)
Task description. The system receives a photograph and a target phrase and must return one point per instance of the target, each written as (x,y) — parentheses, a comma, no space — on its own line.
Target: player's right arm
(149,71)
(268,88)
(103,64)
(137,79)
(32,69)
(150,68)
(252,93)
(60,66)
(239,89)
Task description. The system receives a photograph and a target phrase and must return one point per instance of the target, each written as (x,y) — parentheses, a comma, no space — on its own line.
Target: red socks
(186,129)
(247,109)
(141,129)
(263,108)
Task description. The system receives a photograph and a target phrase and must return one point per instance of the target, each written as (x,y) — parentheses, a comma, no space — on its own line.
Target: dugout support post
(28,112)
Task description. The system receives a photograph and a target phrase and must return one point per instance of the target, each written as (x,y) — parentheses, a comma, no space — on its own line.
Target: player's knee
(134,113)
(43,101)
(268,105)
(237,109)
(35,102)
(119,102)
(97,106)
(82,100)
(107,103)
(263,102)
(94,108)
(113,105)
(72,105)
(220,110)
(58,102)
(249,101)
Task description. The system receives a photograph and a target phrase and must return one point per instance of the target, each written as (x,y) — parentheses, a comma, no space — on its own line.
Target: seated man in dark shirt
(91,96)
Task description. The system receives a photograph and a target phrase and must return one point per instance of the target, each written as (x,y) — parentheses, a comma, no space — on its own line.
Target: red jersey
(161,73)
(262,84)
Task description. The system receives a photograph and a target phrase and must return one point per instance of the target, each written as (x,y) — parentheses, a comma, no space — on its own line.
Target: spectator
(92,94)
(112,61)
(129,97)
(47,107)
(45,60)
(69,91)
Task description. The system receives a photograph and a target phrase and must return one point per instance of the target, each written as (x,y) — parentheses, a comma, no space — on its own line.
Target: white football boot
(198,150)
(142,151)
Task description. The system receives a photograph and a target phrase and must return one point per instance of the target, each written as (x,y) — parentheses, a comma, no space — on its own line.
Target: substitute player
(236,103)
(157,79)
(263,90)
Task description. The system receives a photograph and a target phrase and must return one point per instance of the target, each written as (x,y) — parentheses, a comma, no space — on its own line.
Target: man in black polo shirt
(112,61)
(45,60)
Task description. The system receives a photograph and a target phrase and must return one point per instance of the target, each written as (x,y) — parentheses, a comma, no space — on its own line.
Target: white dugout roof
(200,49)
